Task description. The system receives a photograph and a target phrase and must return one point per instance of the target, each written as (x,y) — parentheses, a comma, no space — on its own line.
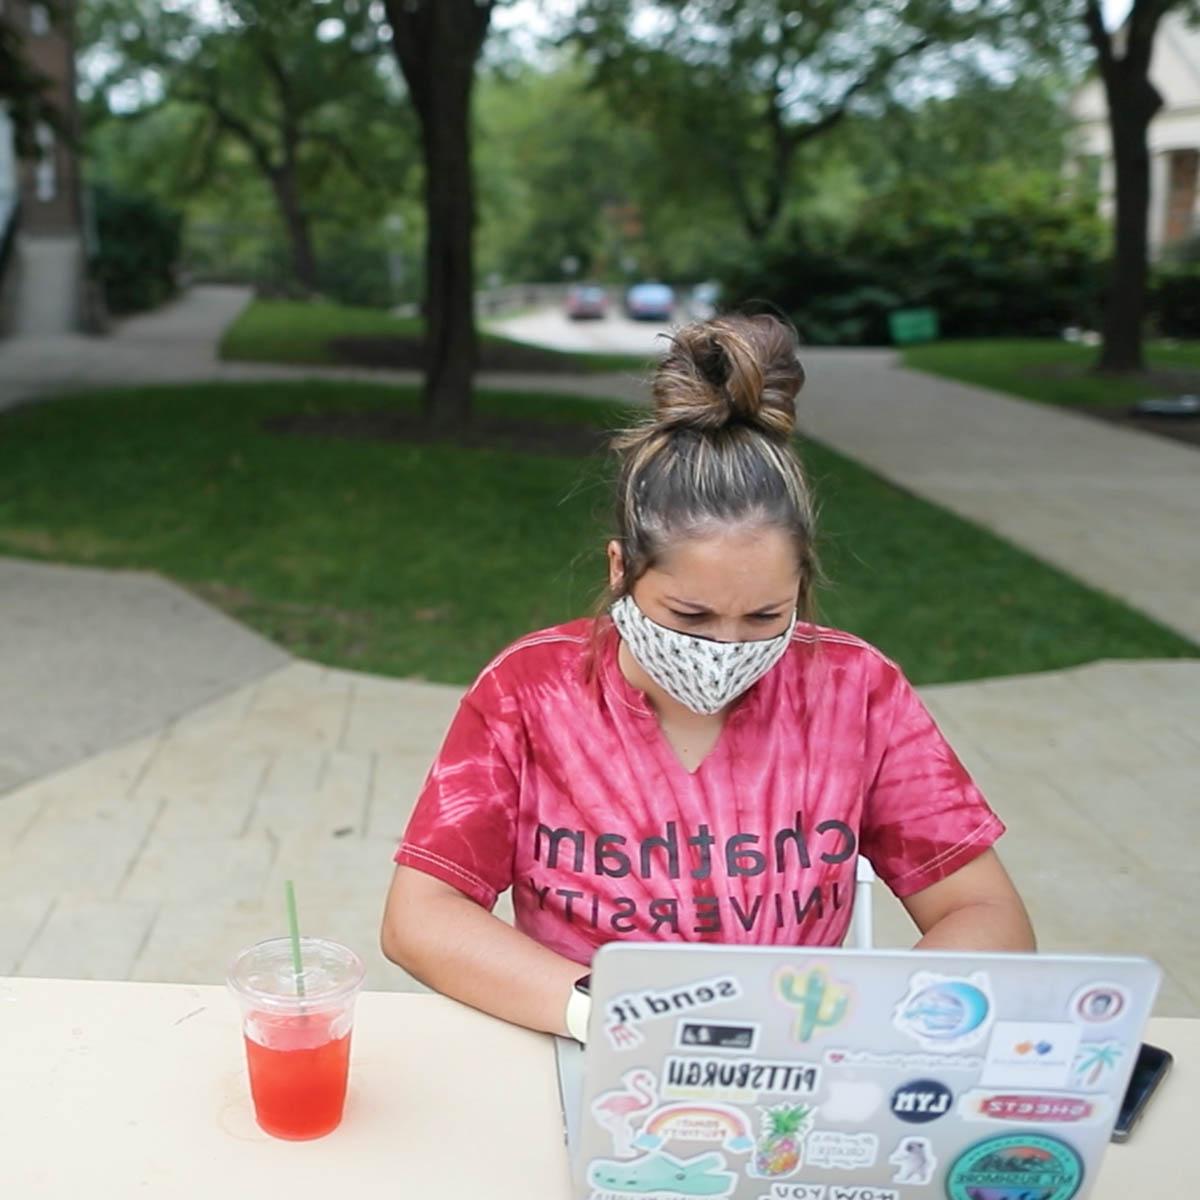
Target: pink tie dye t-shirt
(555,780)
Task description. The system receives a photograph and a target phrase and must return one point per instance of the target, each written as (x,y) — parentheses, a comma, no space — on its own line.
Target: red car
(586,301)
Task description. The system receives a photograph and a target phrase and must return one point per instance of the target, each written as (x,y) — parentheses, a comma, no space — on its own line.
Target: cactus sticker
(820,1002)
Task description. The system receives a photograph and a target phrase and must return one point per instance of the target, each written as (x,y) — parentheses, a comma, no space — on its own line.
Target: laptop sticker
(620,1110)
(836,1191)
(902,1060)
(1030,1108)
(921,1101)
(1099,1003)
(624,1014)
(660,1174)
(941,1012)
(1030,1054)
(828,1192)
(820,1002)
(851,1100)
(728,1127)
(1094,1065)
(796,1191)
(780,1148)
(739,1081)
(1024,1164)
(736,1038)
(914,1161)
(833,1150)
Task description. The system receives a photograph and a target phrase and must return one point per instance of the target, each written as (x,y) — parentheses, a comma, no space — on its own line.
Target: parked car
(650,302)
(703,301)
(586,301)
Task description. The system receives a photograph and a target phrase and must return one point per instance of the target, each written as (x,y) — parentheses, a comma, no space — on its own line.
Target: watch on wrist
(579,1008)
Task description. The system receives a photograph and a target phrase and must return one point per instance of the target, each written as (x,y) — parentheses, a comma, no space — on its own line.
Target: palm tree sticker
(1093,1060)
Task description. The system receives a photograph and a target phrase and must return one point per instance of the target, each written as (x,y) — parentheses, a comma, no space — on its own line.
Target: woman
(697,763)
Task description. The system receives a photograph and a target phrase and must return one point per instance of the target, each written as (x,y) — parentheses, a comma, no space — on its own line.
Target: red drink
(299,1081)
(296,1024)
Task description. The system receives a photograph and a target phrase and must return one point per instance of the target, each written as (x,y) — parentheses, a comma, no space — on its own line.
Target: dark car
(650,302)
(586,301)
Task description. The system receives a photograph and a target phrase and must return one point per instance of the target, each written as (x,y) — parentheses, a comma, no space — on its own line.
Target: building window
(39,20)
(45,173)
(1182,170)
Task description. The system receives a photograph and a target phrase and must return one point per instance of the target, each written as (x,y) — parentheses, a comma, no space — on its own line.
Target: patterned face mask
(702,674)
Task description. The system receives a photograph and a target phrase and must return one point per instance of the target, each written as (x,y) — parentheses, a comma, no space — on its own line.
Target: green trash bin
(910,325)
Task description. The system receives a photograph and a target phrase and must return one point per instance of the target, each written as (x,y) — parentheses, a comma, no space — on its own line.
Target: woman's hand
(976,908)
(458,948)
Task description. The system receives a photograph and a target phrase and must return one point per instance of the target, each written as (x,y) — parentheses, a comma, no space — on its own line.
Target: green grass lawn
(288,331)
(1050,371)
(421,560)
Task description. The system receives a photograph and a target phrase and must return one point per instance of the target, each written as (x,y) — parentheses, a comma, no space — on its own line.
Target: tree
(297,88)
(437,44)
(1123,60)
(734,89)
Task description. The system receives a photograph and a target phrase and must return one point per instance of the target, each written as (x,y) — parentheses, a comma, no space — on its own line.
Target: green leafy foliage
(138,251)
(1010,257)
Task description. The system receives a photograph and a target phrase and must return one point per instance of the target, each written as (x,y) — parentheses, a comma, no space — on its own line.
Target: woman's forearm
(458,948)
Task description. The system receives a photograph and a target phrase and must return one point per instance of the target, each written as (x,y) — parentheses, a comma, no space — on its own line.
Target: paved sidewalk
(95,658)
(1117,509)
(178,344)
(159,859)
(164,849)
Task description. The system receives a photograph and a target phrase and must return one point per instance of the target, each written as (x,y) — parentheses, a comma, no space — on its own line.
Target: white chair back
(863,927)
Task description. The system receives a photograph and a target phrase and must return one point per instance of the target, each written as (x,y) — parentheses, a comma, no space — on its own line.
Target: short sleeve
(462,830)
(923,818)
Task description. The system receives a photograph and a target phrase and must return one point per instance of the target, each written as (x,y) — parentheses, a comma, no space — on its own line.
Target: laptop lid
(766,1073)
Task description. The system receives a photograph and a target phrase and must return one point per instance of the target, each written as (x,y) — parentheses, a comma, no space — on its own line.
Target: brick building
(1174,136)
(45,271)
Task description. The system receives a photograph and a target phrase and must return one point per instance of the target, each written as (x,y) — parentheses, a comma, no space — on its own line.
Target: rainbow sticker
(696,1123)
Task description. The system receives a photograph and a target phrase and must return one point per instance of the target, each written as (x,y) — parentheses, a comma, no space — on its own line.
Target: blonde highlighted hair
(717,449)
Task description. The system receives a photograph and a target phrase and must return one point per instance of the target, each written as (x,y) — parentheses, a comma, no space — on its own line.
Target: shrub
(1175,300)
(137,252)
(1016,261)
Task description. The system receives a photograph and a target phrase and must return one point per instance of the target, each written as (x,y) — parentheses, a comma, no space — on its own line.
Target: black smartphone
(1151,1069)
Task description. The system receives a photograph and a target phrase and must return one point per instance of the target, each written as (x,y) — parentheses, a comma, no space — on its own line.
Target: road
(614,334)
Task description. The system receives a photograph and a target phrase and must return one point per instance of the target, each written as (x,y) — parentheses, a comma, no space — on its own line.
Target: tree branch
(208,98)
(1093,19)
(878,71)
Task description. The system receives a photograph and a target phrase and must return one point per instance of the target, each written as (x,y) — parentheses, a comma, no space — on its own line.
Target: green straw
(294,928)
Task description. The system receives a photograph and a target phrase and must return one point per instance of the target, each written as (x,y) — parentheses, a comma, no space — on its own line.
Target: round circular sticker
(921,1101)
(1025,1164)
(1100,1002)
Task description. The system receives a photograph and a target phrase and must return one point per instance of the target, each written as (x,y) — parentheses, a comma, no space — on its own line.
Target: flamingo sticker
(616,1111)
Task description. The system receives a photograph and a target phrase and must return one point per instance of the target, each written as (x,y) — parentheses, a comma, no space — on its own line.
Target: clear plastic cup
(297,1046)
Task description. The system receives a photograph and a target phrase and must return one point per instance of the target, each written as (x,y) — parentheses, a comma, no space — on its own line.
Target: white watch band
(579,1009)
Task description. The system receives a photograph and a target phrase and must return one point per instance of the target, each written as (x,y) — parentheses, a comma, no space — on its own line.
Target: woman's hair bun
(732,370)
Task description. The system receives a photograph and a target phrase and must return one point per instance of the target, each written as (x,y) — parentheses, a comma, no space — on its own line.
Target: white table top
(128,1089)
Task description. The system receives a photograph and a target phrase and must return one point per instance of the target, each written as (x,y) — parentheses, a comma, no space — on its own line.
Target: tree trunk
(1132,102)
(437,43)
(451,347)
(295,222)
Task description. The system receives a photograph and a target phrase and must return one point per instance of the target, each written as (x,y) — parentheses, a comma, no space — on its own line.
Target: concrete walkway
(178,344)
(161,858)
(164,770)
(1117,509)
(94,658)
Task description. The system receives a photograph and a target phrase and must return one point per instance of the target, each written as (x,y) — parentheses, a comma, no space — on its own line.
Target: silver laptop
(775,1073)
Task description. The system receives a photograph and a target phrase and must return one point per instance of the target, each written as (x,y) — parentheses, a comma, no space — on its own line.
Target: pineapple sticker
(780,1148)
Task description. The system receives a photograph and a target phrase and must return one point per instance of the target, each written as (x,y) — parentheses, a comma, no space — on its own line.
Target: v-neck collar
(635,701)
